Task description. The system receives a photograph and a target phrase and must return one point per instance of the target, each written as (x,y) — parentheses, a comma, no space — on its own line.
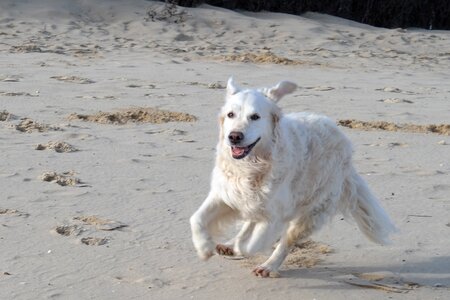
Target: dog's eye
(230,115)
(254,117)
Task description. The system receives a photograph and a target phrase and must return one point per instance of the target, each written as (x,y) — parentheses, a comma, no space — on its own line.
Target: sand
(135,87)
(139,115)
(443,129)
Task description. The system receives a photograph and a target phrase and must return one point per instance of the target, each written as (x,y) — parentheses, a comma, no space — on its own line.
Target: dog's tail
(358,201)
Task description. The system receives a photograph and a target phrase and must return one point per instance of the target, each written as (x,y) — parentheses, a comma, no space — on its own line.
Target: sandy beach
(108,127)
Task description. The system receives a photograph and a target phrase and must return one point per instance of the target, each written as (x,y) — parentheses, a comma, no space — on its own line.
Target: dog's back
(326,180)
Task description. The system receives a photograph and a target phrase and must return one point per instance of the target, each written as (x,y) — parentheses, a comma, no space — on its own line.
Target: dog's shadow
(433,273)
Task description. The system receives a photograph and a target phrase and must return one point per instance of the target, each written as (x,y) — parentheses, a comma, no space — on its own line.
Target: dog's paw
(205,255)
(265,272)
(224,250)
(205,251)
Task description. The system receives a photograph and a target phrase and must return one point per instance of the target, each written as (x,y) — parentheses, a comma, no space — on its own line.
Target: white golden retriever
(284,176)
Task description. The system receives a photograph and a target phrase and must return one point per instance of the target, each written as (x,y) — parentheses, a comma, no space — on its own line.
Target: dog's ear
(232,88)
(221,133)
(276,115)
(275,118)
(281,89)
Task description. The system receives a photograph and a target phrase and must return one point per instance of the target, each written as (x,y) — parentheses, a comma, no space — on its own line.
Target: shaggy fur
(284,176)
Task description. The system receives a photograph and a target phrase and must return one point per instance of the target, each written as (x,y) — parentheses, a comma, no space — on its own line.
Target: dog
(284,176)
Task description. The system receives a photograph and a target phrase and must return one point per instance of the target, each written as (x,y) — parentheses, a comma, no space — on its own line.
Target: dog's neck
(252,170)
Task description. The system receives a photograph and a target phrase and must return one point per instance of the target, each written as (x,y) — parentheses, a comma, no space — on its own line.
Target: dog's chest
(248,194)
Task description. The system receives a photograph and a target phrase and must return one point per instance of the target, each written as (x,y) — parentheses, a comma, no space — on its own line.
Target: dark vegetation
(428,14)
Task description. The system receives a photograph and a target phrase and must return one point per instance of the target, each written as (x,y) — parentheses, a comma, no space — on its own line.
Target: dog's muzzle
(240,152)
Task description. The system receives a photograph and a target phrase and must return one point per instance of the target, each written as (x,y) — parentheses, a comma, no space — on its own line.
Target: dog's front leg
(270,267)
(206,219)
(235,245)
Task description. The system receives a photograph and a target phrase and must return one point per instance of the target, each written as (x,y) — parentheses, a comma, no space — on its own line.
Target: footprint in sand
(73,79)
(134,86)
(390,89)
(385,281)
(100,224)
(93,241)
(9,78)
(60,147)
(85,53)
(397,144)
(395,100)
(5,116)
(173,132)
(89,97)
(69,230)
(27,125)
(150,281)
(27,48)
(82,225)
(75,230)
(13,94)
(12,212)
(213,85)
(64,179)
(322,88)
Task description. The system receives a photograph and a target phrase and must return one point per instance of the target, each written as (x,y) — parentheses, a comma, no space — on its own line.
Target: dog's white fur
(297,176)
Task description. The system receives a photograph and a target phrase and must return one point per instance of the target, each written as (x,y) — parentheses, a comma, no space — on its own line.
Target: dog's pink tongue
(237,151)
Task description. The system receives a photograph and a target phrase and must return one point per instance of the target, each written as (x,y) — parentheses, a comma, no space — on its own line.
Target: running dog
(284,176)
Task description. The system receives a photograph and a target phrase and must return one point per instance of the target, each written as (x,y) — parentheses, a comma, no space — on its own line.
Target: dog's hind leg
(207,222)
(262,236)
(234,246)
(297,231)
(242,237)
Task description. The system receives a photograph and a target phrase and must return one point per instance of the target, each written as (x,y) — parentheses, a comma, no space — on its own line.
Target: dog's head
(249,117)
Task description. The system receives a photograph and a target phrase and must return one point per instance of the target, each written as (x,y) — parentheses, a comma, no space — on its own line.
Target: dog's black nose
(235,137)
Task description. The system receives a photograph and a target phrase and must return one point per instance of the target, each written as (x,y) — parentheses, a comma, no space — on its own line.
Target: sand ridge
(137,115)
(261,58)
(442,129)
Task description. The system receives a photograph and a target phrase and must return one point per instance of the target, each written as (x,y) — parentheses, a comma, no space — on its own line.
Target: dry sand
(112,223)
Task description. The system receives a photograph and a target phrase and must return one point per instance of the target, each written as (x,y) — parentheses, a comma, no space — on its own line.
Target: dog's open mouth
(241,152)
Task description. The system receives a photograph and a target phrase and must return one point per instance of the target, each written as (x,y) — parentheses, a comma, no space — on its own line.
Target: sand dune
(110,221)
